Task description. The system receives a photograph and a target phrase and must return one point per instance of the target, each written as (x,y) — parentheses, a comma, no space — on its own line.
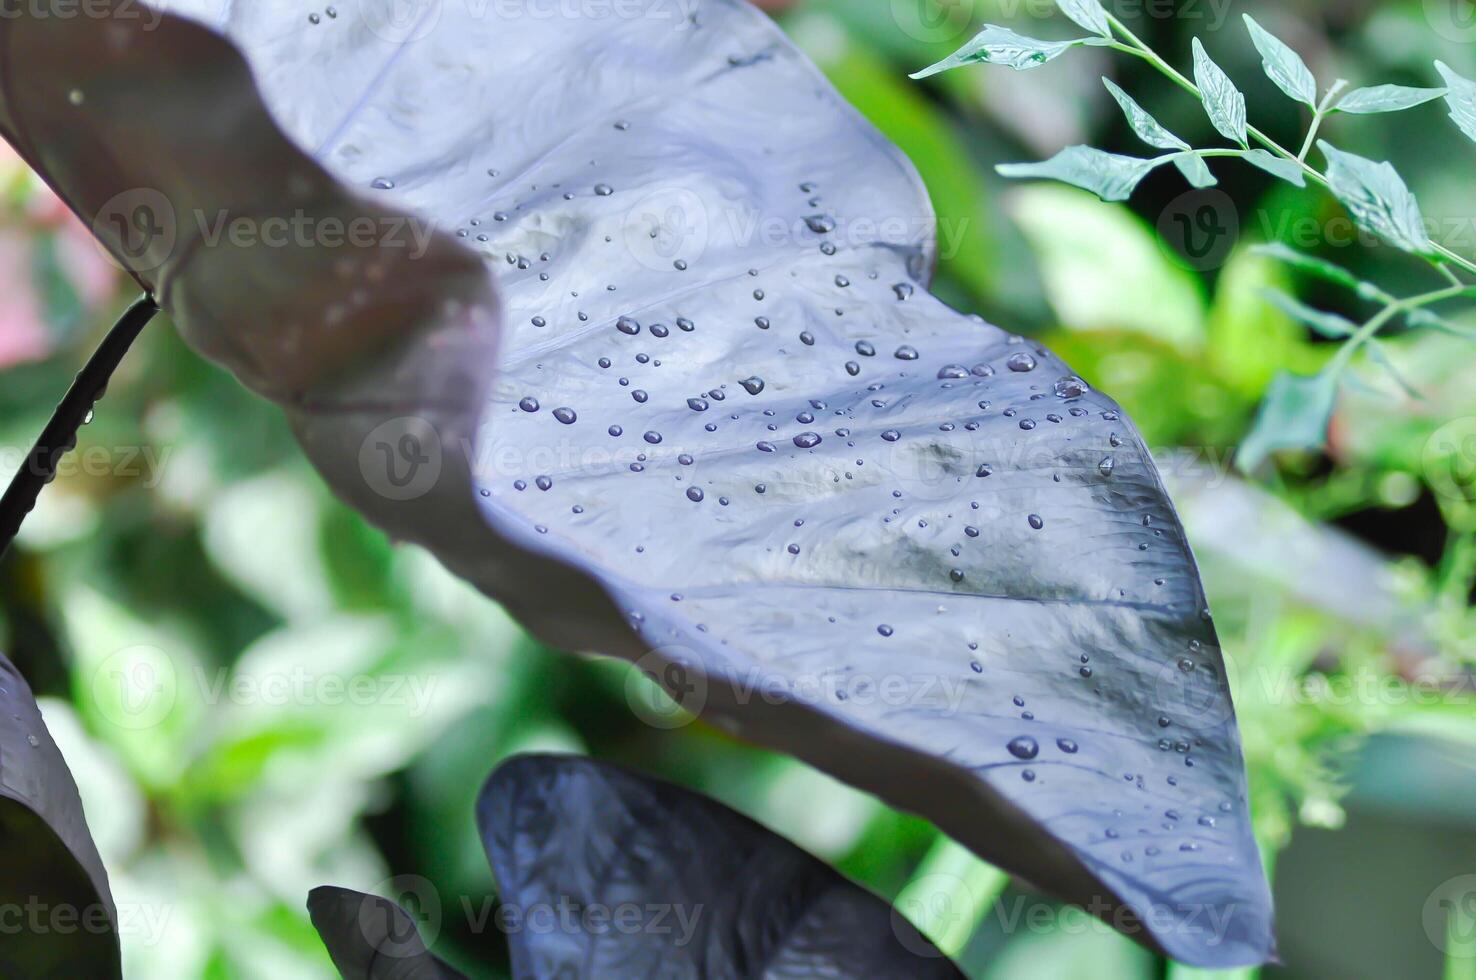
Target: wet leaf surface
(725,432)
(60,918)
(690,888)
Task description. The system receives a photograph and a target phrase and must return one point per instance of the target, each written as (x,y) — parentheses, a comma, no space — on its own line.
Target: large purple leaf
(725,432)
(372,938)
(59,917)
(690,888)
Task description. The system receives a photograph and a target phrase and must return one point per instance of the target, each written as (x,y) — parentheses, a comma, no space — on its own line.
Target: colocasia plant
(1297,409)
(828,513)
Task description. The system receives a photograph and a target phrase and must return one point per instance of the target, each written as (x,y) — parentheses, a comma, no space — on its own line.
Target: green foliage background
(187,600)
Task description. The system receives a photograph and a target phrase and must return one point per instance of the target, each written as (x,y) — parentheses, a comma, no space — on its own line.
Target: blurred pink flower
(23,335)
(24,332)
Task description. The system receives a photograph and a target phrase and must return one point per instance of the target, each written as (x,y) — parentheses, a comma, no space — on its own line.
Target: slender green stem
(1318,115)
(1379,320)
(1136,47)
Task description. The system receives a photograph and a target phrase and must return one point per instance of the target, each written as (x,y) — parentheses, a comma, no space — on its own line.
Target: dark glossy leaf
(59,915)
(726,433)
(684,886)
(372,938)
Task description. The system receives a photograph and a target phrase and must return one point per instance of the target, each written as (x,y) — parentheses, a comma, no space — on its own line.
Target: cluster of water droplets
(755,420)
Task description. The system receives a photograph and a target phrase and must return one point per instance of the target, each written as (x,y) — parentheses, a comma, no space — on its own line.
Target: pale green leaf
(1326,324)
(1378,199)
(1283,65)
(1386,98)
(1001,46)
(1087,14)
(1195,170)
(1461,98)
(1110,176)
(1148,129)
(1294,415)
(1418,318)
(1288,170)
(1323,269)
(1222,100)
(1380,356)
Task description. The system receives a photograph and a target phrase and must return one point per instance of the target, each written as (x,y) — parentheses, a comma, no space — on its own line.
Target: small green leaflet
(1195,170)
(1147,128)
(1323,269)
(1294,415)
(1288,170)
(1378,199)
(1386,98)
(1283,65)
(1461,98)
(1425,318)
(1222,100)
(1001,46)
(1326,324)
(1087,14)
(1108,175)
(1380,356)
(1150,131)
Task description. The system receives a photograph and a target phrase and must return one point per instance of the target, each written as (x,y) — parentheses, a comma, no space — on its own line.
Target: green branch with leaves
(1296,411)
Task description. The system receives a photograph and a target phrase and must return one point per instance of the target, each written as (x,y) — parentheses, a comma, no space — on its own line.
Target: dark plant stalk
(60,434)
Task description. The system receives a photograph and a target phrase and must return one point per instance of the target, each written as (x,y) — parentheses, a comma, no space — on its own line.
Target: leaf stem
(75,410)
(1318,115)
(1135,46)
